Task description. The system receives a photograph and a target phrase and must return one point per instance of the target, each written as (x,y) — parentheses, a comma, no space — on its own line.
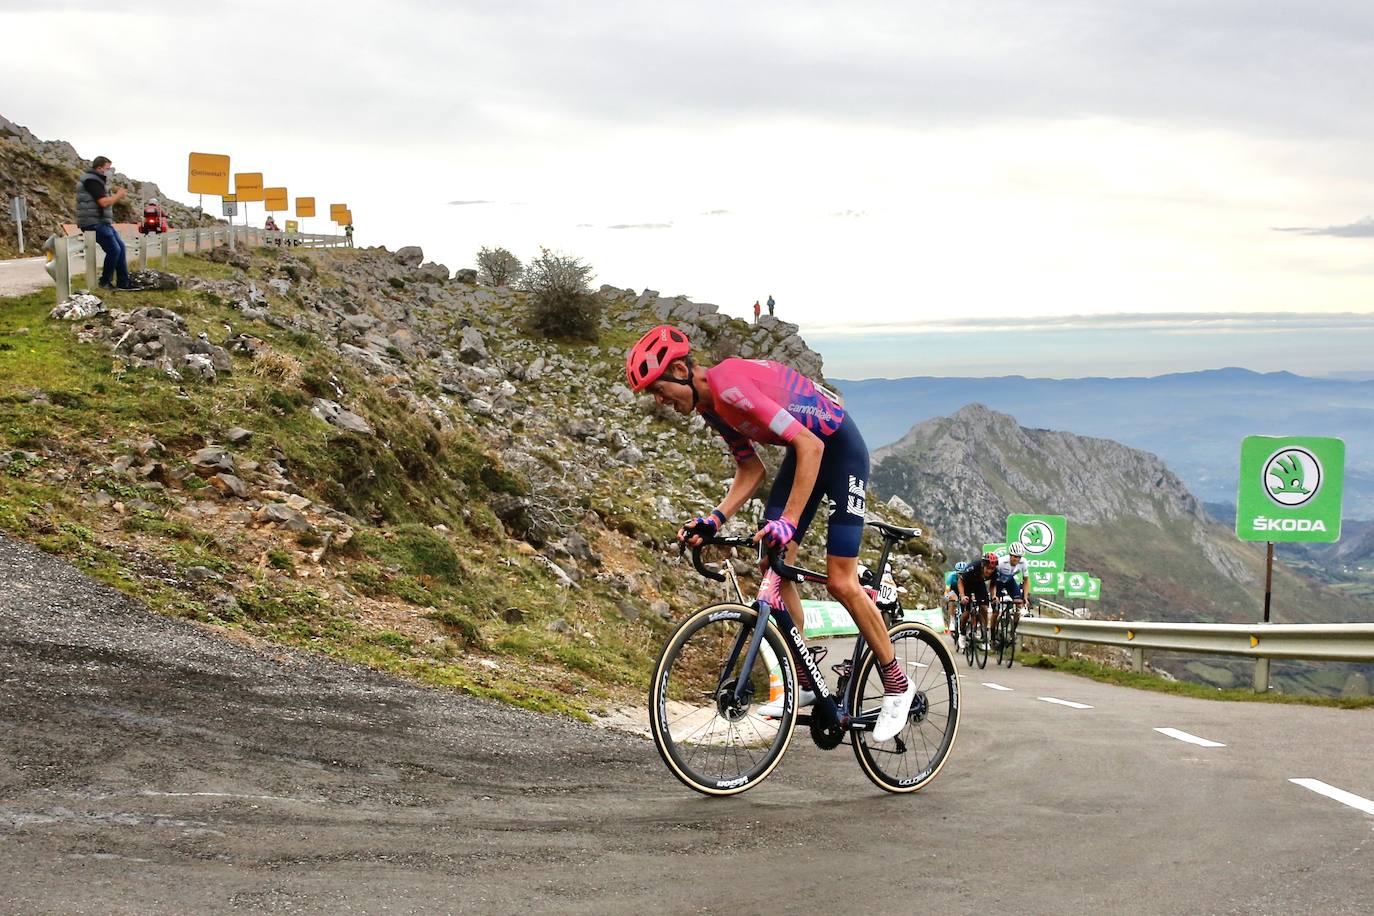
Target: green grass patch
(1122,678)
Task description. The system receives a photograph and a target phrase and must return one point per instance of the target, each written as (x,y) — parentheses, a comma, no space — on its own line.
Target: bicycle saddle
(896,532)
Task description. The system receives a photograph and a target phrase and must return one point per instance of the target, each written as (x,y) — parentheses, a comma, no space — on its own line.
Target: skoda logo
(1292,476)
(1037,537)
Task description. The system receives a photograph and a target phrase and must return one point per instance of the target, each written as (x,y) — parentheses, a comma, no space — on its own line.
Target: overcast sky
(885,170)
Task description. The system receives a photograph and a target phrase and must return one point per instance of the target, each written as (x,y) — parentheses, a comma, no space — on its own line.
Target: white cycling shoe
(773,710)
(892,718)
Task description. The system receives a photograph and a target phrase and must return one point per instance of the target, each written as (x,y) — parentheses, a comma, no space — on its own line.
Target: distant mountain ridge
(1131,520)
(1194,420)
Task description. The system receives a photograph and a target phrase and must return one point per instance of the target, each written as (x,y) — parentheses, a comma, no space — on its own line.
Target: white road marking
(995,686)
(1346,798)
(1191,739)
(1066,703)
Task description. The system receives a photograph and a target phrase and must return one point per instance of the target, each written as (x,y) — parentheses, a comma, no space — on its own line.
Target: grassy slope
(449,608)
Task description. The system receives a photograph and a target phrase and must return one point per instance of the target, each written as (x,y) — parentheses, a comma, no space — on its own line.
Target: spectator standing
(756,311)
(348,234)
(271,225)
(770,305)
(95,213)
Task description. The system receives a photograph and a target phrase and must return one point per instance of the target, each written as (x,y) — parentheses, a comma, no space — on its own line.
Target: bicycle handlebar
(773,557)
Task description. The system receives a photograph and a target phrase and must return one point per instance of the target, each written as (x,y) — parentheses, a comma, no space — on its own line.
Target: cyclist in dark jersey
(752,401)
(973,589)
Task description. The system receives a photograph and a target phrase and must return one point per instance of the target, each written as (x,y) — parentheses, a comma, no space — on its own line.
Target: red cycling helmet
(647,360)
(991,557)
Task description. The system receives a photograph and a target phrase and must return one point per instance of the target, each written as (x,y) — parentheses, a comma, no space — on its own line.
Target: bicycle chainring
(827,737)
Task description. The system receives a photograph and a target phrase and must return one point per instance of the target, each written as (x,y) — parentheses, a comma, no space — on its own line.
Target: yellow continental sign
(275,199)
(248,186)
(305,206)
(208,173)
(336,209)
(343,217)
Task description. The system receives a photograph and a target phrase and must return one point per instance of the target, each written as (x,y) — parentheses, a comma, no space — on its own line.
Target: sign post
(1044,538)
(305,206)
(247,188)
(1290,490)
(206,173)
(20,208)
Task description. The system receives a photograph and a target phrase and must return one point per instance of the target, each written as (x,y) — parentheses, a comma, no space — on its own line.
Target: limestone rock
(473,348)
(434,273)
(334,414)
(78,307)
(410,256)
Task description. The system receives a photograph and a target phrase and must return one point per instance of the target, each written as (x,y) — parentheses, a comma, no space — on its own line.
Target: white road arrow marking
(1069,703)
(1346,798)
(1191,739)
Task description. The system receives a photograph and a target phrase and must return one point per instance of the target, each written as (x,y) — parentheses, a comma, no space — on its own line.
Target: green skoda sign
(999,549)
(1290,488)
(1094,588)
(1076,586)
(1043,537)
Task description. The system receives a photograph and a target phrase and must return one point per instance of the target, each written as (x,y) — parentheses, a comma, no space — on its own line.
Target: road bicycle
(975,634)
(1004,639)
(726,660)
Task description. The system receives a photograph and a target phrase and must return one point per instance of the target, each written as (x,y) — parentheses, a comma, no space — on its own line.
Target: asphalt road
(21,276)
(150,766)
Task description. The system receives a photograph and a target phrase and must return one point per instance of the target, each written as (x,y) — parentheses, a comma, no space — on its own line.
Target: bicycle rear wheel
(914,757)
(711,742)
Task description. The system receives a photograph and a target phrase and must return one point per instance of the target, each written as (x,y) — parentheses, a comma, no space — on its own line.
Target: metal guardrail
(1331,642)
(66,251)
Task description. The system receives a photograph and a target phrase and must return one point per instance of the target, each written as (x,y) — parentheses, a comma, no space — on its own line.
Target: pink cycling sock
(894,680)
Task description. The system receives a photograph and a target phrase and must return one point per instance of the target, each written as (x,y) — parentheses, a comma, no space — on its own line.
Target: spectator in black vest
(770,304)
(95,213)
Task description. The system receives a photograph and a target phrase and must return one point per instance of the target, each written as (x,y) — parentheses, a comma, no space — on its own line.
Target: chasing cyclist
(1011,576)
(761,401)
(949,604)
(973,591)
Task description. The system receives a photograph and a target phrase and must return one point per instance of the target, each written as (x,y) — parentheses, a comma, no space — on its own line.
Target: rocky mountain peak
(971,469)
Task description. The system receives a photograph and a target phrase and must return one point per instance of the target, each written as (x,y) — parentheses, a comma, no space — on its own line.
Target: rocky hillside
(1131,520)
(351,451)
(45,172)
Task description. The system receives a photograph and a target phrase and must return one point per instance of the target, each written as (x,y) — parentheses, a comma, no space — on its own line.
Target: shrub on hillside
(498,267)
(561,300)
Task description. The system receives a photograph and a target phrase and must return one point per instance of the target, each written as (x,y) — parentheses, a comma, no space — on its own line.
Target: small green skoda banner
(1290,488)
(1044,583)
(1094,588)
(999,549)
(1076,586)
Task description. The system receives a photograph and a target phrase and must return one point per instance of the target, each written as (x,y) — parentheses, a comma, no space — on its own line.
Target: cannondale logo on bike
(822,689)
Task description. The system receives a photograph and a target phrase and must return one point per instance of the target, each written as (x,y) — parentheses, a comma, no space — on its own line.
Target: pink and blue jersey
(759,400)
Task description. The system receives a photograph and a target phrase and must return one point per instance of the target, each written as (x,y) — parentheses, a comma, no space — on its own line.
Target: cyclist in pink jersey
(752,401)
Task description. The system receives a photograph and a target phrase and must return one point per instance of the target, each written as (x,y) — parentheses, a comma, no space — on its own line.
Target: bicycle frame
(846,705)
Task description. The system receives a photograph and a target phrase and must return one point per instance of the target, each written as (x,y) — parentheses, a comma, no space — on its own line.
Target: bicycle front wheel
(978,637)
(914,757)
(1013,620)
(711,740)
